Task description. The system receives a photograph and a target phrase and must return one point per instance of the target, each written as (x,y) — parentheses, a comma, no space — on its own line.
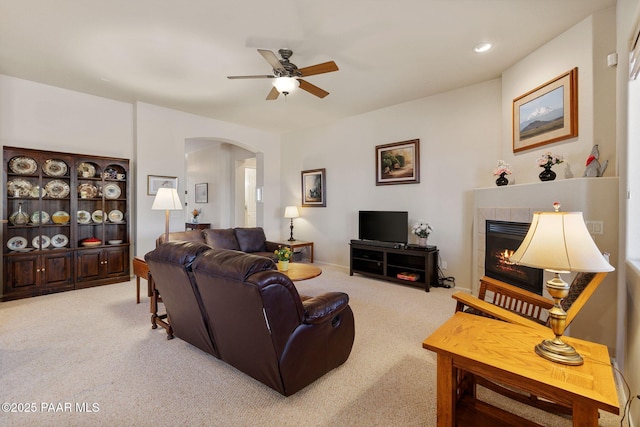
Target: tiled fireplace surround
(597,198)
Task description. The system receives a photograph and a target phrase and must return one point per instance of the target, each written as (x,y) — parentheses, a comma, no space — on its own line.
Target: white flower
(421,229)
(502,168)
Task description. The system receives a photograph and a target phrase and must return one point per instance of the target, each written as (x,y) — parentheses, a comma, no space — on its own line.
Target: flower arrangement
(196,212)
(421,229)
(548,159)
(502,168)
(284,253)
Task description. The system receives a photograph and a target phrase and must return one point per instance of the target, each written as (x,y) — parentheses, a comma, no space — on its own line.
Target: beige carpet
(94,349)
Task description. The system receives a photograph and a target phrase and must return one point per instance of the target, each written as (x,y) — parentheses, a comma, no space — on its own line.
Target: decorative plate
(86,170)
(89,189)
(19,187)
(60,217)
(39,217)
(97,216)
(111,191)
(115,241)
(37,191)
(116,216)
(17,243)
(54,167)
(41,242)
(57,189)
(59,241)
(23,165)
(84,217)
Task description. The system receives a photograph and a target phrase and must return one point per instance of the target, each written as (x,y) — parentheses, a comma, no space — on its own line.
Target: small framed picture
(202,193)
(157,181)
(314,188)
(398,163)
(546,114)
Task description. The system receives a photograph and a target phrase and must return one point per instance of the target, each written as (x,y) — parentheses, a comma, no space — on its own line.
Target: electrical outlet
(443,265)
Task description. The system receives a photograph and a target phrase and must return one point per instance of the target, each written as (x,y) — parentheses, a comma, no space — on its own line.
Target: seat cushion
(221,238)
(251,239)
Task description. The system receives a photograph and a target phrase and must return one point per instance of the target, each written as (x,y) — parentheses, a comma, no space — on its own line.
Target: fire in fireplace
(502,240)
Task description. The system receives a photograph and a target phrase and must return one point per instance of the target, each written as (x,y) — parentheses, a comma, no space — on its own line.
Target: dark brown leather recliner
(262,326)
(170,267)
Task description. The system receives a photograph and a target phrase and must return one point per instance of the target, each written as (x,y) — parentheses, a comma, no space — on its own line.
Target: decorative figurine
(594,168)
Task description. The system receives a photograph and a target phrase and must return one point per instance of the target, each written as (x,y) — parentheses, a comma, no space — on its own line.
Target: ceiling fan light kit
(287,75)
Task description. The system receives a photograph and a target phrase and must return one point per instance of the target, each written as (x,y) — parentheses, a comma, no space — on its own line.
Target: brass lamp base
(559,352)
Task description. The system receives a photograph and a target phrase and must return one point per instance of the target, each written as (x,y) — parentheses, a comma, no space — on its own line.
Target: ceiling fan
(287,74)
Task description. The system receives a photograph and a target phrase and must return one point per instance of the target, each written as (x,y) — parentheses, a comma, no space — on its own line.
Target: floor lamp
(291,212)
(167,199)
(559,242)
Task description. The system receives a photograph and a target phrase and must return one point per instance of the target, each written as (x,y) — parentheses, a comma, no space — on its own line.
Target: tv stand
(418,267)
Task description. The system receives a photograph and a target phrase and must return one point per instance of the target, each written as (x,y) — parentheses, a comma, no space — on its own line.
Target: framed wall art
(314,188)
(547,114)
(202,193)
(156,181)
(398,163)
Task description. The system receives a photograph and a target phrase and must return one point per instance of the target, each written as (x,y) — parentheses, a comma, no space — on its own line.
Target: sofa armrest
(323,307)
(271,246)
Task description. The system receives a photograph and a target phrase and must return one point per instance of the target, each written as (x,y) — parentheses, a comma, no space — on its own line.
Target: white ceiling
(177,53)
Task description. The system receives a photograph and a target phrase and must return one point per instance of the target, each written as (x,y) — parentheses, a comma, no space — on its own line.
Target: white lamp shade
(560,241)
(167,199)
(291,212)
(286,84)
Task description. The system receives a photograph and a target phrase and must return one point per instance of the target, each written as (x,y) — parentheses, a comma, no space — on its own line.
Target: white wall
(585,46)
(458,134)
(160,137)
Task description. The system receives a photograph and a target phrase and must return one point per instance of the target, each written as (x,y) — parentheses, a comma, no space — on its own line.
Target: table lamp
(167,199)
(559,242)
(291,212)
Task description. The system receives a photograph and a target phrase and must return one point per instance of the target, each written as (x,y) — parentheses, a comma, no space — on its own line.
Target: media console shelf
(388,263)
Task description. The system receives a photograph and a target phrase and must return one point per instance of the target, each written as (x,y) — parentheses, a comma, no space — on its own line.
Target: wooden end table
(141,270)
(293,244)
(299,271)
(469,346)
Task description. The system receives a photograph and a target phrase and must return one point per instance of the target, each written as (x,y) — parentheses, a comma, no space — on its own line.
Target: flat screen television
(383,226)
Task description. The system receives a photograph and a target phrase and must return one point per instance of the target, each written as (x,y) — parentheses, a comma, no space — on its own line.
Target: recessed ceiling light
(482,47)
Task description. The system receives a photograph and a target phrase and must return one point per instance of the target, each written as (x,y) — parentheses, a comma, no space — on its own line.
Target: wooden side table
(199,226)
(141,270)
(293,244)
(468,346)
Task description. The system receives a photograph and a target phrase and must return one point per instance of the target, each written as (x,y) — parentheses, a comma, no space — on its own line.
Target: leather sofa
(240,309)
(251,239)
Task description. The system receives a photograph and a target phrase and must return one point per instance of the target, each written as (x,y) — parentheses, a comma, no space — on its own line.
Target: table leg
(584,415)
(311,256)
(138,289)
(446,391)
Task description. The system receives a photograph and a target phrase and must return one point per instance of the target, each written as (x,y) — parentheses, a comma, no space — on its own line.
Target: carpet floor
(90,358)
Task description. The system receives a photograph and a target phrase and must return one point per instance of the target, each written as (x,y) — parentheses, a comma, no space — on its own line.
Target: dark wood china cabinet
(67,221)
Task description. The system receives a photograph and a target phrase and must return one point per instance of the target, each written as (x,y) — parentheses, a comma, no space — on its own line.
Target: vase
(547,174)
(283,265)
(19,217)
(422,242)
(194,220)
(502,180)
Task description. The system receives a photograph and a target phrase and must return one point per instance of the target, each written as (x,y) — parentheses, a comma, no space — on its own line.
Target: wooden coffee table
(301,271)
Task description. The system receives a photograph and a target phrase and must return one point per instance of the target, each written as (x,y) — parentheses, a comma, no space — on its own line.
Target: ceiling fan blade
(312,89)
(272,59)
(273,94)
(325,67)
(261,76)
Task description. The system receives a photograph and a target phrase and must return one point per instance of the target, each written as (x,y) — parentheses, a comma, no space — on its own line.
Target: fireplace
(502,240)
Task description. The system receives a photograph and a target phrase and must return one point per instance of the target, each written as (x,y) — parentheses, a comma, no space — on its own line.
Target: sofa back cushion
(221,238)
(170,266)
(251,239)
(252,309)
(183,236)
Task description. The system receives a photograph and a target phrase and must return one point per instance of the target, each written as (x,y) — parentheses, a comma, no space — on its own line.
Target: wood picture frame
(546,114)
(157,181)
(398,163)
(202,193)
(314,188)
